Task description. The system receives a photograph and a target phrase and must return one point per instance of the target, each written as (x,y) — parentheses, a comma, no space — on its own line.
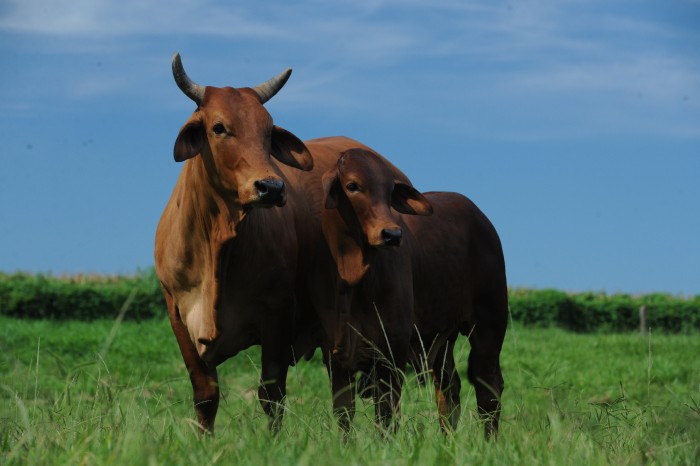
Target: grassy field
(93,394)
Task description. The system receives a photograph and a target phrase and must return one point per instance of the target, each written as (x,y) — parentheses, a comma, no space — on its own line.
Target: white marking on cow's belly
(192,312)
(198,318)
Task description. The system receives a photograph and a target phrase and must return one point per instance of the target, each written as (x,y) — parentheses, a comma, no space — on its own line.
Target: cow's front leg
(276,356)
(205,384)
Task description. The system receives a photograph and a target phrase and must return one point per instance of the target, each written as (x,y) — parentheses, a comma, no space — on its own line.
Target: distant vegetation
(81,297)
(587,312)
(140,297)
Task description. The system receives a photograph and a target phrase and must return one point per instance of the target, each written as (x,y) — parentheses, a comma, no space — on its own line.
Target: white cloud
(471,52)
(90,87)
(650,77)
(105,18)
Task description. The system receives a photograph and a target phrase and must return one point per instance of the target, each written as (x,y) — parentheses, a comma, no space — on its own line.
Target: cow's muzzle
(391,237)
(271,192)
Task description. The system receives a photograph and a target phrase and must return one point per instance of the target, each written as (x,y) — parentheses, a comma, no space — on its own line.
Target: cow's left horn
(191,89)
(270,87)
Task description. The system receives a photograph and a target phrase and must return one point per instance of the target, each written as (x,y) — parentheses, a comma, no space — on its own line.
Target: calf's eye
(218,128)
(352,187)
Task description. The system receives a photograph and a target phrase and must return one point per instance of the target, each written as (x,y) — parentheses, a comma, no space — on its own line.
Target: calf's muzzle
(391,237)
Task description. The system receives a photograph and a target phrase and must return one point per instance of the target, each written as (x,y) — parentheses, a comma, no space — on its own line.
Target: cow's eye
(352,187)
(218,128)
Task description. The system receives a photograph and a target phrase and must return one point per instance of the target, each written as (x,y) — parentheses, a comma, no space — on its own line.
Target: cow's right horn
(191,89)
(270,87)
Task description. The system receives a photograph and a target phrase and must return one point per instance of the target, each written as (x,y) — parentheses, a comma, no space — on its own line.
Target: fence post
(643,319)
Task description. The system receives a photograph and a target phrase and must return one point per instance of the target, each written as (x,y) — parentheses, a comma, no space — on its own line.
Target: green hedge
(81,297)
(586,312)
(92,297)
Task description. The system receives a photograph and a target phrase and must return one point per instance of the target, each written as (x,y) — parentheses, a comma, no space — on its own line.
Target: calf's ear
(347,253)
(289,150)
(407,200)
(190,140)
(344,245)
(331,189)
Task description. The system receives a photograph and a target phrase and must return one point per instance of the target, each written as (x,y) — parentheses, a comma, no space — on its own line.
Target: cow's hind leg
(205,384)
(447,387)
(484,370)
(485,374)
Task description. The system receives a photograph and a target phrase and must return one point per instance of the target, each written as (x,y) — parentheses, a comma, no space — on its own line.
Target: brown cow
(451,264)
(227,266)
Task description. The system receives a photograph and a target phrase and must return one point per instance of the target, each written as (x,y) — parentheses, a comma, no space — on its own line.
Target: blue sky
(575,125)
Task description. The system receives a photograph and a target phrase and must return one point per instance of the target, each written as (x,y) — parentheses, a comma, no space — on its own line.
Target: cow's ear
(407,200)
(346,251)
(190,140)
(331,189)
(289,150)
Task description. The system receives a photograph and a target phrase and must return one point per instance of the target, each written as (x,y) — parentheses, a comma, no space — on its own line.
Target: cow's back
(457,262)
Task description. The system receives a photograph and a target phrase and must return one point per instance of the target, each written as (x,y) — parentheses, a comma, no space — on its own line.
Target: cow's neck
(201,221)
(208,219)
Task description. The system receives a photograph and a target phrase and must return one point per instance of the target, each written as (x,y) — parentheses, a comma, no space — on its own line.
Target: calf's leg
(343,389)
(387,396)
(484,370)
(447,387)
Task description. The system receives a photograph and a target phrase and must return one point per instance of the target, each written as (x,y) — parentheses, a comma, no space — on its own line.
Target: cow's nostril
(391,237)
(270,191)
(261,187)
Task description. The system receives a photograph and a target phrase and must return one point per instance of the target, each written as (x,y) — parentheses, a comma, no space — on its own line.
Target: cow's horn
(191,89)
(270,87)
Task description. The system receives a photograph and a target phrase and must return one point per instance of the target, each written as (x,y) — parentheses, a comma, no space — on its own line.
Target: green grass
(68,396)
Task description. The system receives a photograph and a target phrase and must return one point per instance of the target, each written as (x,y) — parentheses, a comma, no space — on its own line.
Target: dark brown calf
(450,264)
(363,291)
